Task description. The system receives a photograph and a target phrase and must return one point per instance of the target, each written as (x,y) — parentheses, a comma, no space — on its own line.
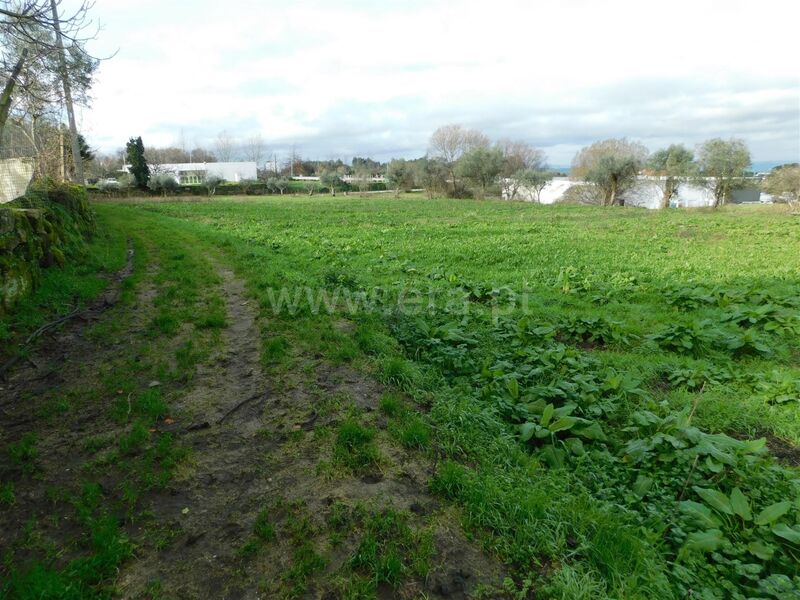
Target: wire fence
(15,177)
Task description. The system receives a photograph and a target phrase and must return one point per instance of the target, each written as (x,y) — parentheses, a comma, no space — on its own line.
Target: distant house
(193,173)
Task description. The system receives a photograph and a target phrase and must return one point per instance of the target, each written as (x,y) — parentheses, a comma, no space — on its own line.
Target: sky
(376,78)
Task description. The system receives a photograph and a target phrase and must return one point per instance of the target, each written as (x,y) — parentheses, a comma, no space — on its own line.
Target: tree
(201,155)
(34,36)
(86,153)
(278,184)
(534,180)
(363,179)
(210,182)
(519,156)
(332,181)
(431,174)
(611,165)
(450,142)
(223,146)
(163,183)
(783,183)
(400,175)
(311,185)
(676,164)
(480,167)
(723,163)
(254,149)
(138,163)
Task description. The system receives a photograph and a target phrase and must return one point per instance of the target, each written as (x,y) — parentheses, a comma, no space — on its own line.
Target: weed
(354,447)
(23,453)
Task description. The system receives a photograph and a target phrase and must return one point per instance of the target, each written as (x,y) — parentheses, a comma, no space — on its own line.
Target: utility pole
(73,130)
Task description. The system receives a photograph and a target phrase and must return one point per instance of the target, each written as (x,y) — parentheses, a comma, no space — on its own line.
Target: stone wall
(45,228)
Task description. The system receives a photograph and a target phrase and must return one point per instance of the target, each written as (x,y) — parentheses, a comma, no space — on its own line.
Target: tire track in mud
(252,445)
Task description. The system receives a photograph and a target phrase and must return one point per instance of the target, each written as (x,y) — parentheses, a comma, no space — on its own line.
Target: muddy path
(259,507)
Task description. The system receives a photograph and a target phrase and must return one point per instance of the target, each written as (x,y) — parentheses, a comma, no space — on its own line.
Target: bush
(163,183)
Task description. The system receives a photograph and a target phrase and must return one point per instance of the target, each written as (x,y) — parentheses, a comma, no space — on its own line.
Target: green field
(609,399)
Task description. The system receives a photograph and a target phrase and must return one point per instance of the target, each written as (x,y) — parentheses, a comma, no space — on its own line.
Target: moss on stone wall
(44,228)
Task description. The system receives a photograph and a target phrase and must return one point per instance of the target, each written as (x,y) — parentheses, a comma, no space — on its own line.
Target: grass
(355,447)
(586,371)
(489,312)
(128,456)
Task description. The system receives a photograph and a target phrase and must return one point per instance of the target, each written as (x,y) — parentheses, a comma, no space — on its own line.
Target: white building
(189,173)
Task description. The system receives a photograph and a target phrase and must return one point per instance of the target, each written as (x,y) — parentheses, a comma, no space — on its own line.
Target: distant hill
(761,166)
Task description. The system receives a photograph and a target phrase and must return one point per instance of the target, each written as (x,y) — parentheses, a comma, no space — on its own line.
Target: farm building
(189,173)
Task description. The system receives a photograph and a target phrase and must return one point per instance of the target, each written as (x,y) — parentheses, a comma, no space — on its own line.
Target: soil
(257,440)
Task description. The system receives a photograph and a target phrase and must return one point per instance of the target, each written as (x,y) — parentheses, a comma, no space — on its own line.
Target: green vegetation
(603,389)
(598,372)
(355,447)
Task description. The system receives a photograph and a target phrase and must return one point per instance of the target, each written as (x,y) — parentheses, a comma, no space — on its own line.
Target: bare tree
(520,159)
(223,146)
(254,149)
(34,35)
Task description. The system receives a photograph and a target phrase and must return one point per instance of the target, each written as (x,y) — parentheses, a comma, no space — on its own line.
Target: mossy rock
(46,227)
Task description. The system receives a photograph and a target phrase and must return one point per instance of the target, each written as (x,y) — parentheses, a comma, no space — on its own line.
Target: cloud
(365,78)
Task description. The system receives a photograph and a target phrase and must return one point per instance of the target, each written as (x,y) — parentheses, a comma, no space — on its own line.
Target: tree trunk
(612,199)
(669,191)
(77,160)
(8,90)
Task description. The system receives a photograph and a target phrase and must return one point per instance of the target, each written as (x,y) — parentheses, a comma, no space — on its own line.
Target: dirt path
(259,509)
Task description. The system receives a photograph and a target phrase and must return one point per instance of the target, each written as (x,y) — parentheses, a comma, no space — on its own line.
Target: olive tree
(400,175)
(480,167)
(610,165)
(431,174)
(332,181)
(450,142)
(534,180)
(676,164)
(783,183)
(724,164)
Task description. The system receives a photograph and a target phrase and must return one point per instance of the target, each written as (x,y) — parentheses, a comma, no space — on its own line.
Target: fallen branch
(44,328)
(238,406)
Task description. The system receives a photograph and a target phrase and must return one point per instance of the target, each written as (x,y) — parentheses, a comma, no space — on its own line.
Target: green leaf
(753,446)
(526,431)
(716,499)
(513,388)
(547,415)
(740,504)
(704,541)
(642,485)
(592,431)
(553,456)
(575,446)
(791,534)
(772,513)
(700,513)
(761,550)
(562,424)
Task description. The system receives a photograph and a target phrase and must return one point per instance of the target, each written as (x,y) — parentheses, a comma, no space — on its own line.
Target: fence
(15,176)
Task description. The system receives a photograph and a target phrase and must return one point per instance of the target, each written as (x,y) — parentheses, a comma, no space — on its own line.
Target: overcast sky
(375,78)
